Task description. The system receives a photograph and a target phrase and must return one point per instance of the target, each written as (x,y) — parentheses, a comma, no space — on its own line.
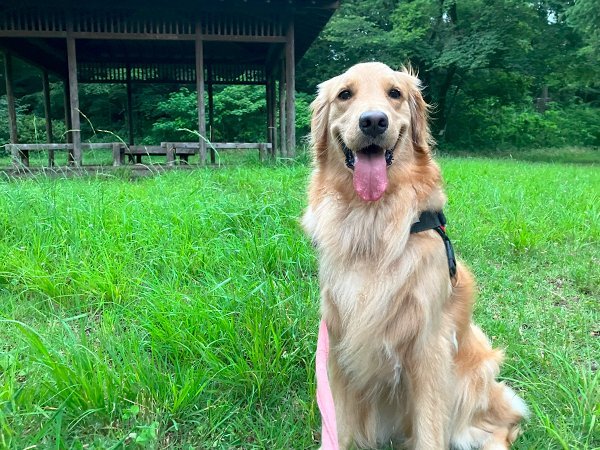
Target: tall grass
(180,311)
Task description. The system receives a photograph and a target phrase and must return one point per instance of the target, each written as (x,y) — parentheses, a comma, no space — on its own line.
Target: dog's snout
(373,123)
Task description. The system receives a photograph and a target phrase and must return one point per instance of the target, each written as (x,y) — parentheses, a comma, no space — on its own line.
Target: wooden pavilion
(201,42)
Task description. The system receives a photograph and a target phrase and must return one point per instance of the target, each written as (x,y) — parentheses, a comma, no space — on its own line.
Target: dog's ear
(420,134)
(419,114)
(319,123)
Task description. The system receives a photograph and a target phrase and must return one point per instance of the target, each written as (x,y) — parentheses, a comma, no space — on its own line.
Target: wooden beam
(68,126)
(171,37)
(26,51)
(129,107)
(48,116)
(211,112)
(23,156)
(271,114)
(28,34)
(141,36)
(283,139)
(118,155)
(290,83)
(273,125)
(176,81)
(274,109)
(274,55)
(222,145)
(241,145)
(86,145)
(74,95)
(200,92)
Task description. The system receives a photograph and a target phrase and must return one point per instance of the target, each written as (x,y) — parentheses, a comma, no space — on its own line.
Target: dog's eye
(345,95)
(395,93)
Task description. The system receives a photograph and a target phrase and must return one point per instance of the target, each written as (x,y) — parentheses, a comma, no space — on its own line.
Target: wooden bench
(164,149)
(264,148)
(189,148)
(20,152)
(172,150)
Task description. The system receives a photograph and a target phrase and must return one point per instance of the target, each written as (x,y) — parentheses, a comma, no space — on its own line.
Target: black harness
(435,220)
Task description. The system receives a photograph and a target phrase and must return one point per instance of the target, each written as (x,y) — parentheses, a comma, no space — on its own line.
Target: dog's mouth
(369,166)
(370,150)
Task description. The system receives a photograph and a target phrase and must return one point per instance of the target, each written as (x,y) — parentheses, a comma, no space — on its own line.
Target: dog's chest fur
(371,273)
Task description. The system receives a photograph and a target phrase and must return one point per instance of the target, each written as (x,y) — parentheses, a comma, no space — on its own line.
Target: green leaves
(469,53)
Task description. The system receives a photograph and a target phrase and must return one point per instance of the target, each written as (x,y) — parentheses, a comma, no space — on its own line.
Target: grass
(180,311)
(563,155)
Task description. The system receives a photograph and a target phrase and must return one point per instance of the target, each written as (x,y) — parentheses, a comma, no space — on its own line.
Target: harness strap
(435,220)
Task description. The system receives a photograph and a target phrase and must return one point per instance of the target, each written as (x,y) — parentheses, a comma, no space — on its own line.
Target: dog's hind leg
(486,413)
(505,411)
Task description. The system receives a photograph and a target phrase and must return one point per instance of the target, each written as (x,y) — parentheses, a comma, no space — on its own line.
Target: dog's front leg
(430,393)
(346,407)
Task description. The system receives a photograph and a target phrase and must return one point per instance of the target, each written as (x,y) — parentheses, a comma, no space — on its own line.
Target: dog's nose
(373,123)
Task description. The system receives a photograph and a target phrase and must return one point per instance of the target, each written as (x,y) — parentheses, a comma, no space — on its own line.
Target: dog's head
(366,119)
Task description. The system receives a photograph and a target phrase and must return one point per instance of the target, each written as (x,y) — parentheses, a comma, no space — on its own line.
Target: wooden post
(48,115)
(273,150)
(290,75)
(20,157)
(117,151)
(68,124)
(282,140)
(200,92)
(170,148)
(270,115)
(211,111)
(129,106)
(74,94)
(542,102)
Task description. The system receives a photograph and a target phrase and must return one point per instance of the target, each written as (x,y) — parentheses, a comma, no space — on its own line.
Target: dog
(406,364)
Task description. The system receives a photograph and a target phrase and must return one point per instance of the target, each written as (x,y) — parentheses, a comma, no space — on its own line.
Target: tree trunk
(442,114)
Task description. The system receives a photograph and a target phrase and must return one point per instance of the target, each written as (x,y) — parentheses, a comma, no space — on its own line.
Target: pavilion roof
(142,33)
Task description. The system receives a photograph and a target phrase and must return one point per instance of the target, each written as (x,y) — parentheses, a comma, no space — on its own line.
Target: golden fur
(406,363)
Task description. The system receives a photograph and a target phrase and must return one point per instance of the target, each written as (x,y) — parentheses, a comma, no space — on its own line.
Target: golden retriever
(407,366)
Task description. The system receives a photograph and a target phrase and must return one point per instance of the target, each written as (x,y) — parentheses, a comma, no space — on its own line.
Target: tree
(584,17)
(470,54)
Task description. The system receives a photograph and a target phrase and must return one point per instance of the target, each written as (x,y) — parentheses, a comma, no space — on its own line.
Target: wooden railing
(112,24)
(171,150)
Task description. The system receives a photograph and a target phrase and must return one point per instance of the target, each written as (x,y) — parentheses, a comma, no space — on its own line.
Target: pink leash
(329,438)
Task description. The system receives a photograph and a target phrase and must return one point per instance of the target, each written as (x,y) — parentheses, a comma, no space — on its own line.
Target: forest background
(499,74)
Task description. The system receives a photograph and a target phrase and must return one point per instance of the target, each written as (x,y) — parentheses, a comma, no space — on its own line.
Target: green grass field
(181,310)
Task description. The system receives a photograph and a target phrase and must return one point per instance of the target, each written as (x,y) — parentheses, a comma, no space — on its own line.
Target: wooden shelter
(203,42)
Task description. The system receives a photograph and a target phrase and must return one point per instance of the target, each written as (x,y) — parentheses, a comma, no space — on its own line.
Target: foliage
(470,54)
(303,101)
(584,15)
(490,124)
(31,127)
(176,114)
(240,114)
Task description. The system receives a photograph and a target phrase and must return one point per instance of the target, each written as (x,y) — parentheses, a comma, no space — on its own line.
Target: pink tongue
(370,176)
